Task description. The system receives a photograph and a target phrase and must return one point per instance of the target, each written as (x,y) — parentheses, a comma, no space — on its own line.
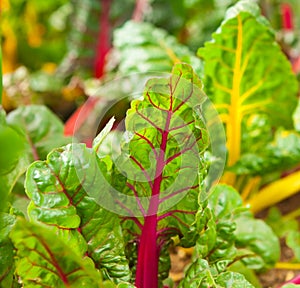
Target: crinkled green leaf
(6,250)
(160,156)
(245,72)
(257,131)
(151,49)
(216,237)
(197,275)
(42,130)
(280,225)
(201,274)
(249,274)
(258,238)
(224,201)
(208,234)
(58,190)
(45,260)
(13,162)
(185,136)
(232,280)
(281,154)
(293,241)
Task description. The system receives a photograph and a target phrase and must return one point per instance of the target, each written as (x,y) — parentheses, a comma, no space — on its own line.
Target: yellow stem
(275,192)
(228,178)
(287,266)
(292,215)
(234,125)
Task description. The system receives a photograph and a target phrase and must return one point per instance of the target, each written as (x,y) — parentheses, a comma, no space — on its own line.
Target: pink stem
(170,213)
(103,44)
(148,251)
(139,11)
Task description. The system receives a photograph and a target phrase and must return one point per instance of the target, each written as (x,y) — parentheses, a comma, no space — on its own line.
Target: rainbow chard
(245,75)
(106,216)
(161,157)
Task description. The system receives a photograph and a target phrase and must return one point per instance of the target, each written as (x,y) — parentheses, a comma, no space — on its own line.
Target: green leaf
(58,190)
(232,280)
(279,155)
(6,250)
(45,260)
(13,162)
(224,201)
(103,134)
(197,274)
(249,274)
(259,240)
(216,234)
(290,286)
(151,49)
(201,274)
(247,72)
(296,117)
(280,225)
(157,170)
(42,130)
(293,241)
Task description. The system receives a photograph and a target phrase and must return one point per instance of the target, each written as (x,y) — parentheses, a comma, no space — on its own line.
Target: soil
(274,278)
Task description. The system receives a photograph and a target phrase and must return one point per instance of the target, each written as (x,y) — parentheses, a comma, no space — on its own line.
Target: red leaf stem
(287,17)
(177,192)
(137,222)
(170,213)
(182,151)
(150,122)
(54,262)
(132,188)
(103,41)
(139,11)
(148,142)
(148,251)
(143,170)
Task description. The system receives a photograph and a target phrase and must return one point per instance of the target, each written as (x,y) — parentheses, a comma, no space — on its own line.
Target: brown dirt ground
(272,279)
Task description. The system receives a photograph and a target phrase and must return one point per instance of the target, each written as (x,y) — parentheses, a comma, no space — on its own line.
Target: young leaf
(47,263)
(197,275)
(6,250)
(200,274)
(279,224)
(161,155)
(293,241)
(254,238)
(41,129)
(246,71)
(13,162)
(259,239)
(280,154)
(151,49)
(232,280)
(58,190)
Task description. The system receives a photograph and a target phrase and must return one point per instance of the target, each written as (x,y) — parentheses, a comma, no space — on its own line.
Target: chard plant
(107,216)
(245,74)
(107,219)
